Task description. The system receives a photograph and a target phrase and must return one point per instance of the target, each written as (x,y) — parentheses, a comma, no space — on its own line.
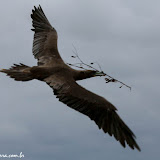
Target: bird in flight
(62,79)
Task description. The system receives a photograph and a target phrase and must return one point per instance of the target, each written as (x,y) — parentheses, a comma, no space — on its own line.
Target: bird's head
(88,74)
(98,73)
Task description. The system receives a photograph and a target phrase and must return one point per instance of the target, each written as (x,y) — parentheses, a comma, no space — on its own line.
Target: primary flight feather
(62,79)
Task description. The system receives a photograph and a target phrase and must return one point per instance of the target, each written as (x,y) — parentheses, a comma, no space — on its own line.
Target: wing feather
(45,39)
(95,107)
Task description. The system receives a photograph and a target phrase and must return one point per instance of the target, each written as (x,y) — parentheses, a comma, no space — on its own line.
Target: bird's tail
(19,72)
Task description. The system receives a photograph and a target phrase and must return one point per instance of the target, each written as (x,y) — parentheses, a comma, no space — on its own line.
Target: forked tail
(19,72)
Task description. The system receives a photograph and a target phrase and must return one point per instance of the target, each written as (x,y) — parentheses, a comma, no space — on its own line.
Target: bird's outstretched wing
(95,107)
(45,39)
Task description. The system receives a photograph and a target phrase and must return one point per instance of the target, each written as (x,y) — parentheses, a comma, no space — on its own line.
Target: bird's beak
(100,73)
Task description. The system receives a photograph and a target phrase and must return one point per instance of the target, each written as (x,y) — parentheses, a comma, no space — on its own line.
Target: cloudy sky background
(124,37)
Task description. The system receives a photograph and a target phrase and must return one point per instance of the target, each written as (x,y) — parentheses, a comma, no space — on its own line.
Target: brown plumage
(59,76)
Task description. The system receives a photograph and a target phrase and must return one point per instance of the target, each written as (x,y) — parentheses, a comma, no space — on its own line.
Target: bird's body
(62,79)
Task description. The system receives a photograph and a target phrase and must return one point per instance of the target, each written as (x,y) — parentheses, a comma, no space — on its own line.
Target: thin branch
(115,80)
(97,65)
(82,65)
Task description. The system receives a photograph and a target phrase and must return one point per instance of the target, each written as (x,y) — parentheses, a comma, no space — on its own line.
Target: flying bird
(62,79)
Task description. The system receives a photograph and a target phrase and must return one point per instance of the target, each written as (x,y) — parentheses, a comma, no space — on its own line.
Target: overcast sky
(124,37)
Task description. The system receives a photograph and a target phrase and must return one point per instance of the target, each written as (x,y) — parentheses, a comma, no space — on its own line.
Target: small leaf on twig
(110,80)
(113,80)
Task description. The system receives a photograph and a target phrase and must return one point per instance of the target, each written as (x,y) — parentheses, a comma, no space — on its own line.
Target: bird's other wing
(95,107)
(45,39)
